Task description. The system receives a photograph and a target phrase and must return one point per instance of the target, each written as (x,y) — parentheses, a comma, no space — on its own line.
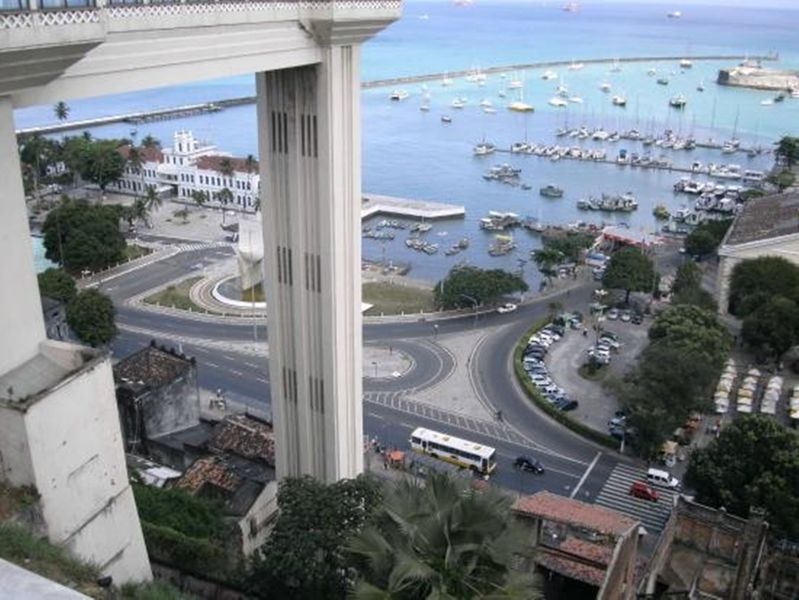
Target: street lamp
(474,304)
(374,364)
(435,331)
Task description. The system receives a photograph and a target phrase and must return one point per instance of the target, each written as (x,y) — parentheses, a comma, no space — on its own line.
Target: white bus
(463,453)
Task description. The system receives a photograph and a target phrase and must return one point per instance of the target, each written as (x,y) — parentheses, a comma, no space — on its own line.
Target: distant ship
(674,15)
(463,2)
(571,7)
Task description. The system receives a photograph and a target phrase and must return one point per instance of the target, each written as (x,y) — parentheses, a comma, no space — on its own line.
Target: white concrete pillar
(309,139)
(21,320)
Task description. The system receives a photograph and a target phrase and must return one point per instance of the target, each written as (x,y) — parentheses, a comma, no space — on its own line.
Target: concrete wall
(16,467)
(256,525)
(172,407)
(620,576)
(79,471)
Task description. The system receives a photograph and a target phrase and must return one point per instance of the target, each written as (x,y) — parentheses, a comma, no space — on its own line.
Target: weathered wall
(15,461)
(256,524)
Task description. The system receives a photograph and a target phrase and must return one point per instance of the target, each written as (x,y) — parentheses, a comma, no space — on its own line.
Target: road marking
(585,475)
(214,365)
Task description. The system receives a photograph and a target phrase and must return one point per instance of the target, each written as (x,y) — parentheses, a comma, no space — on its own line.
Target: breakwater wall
(219,105)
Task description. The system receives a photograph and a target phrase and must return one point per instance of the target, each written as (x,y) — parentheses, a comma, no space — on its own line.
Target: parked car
(637,319)
(611,335)
(613,314)
(609,341)
(641,490)
(625,316)
(508,307)
(528,463)
(567,405)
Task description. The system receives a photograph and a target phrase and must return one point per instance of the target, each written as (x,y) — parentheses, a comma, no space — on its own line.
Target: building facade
(192,166)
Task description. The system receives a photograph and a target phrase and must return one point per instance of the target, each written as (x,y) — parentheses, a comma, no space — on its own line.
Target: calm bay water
(410,153)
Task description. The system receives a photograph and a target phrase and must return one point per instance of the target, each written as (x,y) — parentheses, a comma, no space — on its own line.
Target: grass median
(394,299)
(176,296)
(535,396)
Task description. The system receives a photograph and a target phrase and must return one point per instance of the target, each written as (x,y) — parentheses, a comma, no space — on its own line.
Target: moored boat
(551,191)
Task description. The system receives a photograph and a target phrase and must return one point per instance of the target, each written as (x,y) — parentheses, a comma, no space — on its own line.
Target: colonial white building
(190,166)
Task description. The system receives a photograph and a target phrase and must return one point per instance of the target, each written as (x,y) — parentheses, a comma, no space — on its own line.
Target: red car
(643,491)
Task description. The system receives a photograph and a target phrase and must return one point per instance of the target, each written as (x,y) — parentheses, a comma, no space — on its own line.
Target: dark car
(637,319)
(535,352)
(527,463)
(566,405)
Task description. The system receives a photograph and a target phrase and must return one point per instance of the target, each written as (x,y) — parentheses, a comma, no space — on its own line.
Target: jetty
(219,105)
(374,204)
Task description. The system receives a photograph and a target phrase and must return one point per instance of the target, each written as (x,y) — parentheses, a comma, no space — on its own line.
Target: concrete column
(21,318)
(309,139)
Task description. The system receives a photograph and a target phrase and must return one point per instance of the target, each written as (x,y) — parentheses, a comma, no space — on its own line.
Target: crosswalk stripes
(615,494)
(194,246)
(398,401)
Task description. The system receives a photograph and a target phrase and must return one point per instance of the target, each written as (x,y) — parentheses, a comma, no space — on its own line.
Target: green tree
(788,150)
(440,540)
(546,259)
(687,327)
(79,235)
(149,141)
(783,179)
(136,162)
(629,270)
(56,283)
(470,286)
(304,556)
(101,163)
(755,281)
(773,328)
(689,275)
(753,464)
(90,315)
(571,244)
(225,197)
(700,243)
(152,199)
(200,197)
(61,111)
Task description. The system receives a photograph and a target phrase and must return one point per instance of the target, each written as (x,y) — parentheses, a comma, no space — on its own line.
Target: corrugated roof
(573,512)
(767,217)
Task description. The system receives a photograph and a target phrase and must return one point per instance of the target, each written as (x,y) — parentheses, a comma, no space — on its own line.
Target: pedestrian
(585,333)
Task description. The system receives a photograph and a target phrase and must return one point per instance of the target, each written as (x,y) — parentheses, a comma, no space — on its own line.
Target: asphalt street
(571,461)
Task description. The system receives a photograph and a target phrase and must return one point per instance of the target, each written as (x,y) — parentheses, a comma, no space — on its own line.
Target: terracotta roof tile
(570,568)
(767,217)
(597,553)
(565,510)
(148,153)
(245,436)
(209,471)
(212,162)
(152,366)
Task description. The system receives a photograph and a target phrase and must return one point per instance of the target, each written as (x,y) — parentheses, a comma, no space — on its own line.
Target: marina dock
(374,204)
(219,105)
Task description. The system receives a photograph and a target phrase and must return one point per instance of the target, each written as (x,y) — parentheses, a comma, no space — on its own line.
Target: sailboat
(575,66)
(616,66)
(701,86)
(520,105)
(425,105)
(446,81)
(515,83)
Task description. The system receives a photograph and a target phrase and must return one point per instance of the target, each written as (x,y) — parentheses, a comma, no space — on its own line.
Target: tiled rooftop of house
(570,568)
(212,162)
(147,153)
(245,436)
(763,218)
(573,512)
(151,366)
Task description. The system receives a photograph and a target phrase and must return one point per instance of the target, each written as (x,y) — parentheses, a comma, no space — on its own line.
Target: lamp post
(474,304)
(374,364)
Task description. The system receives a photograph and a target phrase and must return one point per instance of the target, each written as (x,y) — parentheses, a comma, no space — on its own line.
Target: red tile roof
(245,436)
(596,553)
(570,568)
(565,510)
(211,471)
(211,162)
(148,154)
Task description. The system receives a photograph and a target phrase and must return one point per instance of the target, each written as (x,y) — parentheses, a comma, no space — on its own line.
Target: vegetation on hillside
(468,286)
(630,270)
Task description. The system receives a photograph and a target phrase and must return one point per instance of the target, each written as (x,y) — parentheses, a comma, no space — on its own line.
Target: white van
(662,478)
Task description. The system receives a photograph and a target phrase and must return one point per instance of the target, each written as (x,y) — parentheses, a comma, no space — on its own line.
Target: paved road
(573,464)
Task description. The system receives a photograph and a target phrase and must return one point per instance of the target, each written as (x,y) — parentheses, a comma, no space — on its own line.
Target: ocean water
(410,153)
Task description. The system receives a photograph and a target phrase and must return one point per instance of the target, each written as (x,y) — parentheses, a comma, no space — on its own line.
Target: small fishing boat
(619,100)
(551,191)
(484,148)
(446,119)
(605,87)
(678,101)
(663,81)
(558,102)
(398,95)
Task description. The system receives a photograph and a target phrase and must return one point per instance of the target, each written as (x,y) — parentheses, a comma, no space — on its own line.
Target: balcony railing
(18,14)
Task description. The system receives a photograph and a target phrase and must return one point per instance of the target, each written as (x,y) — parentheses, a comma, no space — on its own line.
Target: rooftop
(552,507)
(152,367)
(570,568)
(245,436)
(213,162)
(147,153)
(767,217)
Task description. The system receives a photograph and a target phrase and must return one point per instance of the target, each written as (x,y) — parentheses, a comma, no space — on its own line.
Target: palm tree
(149,141)
(546,259)
(224,196)
(151,199)
(442,540)
(61,110)
(200,197)
(250,165)
(136,161)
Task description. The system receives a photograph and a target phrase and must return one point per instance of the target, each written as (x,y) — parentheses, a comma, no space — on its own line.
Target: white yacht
(484,148)
(686,63)
(515,83)
(619,100)
(520,106)
(446,81)
(676,14)
(701,86)
(398,95)
(576,99)
(605,87)
(652,72)
(485,103)
(549,75)
(562,91)
(458,103)
(489,110)
(501,93)
(558,102)
(616,66)
(575,66)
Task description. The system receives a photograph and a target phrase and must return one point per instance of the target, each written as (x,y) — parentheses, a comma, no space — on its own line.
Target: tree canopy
(788,150)
(90,315)
(304,556)
(687,327)
(772,328)
(546,259)
(80,235)
(57,284)
(466,286)
(570,245)
(101,163)
(755,281)
(440,540)
(629,270)
(754,463)
(687,288)
(706,237)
